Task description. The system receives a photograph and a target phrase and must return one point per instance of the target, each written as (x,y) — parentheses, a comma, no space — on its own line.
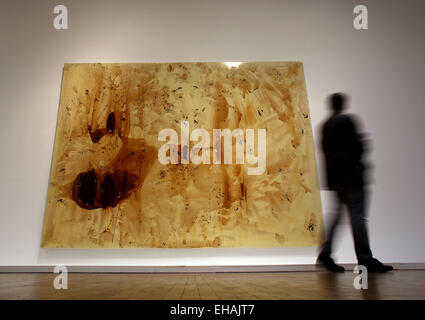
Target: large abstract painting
(183,155)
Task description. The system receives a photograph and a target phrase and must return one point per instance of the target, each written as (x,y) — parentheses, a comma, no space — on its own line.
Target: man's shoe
(374,265)
(329,263)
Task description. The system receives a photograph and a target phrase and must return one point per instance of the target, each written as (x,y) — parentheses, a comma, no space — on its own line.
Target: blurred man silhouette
(343,149)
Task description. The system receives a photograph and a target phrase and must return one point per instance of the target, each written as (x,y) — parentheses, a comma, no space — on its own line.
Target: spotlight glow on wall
(232,64)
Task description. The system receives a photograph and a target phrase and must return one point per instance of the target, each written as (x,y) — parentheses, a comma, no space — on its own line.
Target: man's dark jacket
(343,151)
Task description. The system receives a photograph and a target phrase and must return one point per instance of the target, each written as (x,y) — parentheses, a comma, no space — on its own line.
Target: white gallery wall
(382,69)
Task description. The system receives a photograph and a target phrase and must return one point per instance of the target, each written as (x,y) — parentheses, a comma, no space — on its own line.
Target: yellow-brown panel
(108,190)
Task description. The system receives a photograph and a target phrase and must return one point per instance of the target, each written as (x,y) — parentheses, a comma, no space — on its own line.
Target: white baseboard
(189,269)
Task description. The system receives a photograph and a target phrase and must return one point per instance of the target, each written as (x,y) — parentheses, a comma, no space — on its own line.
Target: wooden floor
(402,284)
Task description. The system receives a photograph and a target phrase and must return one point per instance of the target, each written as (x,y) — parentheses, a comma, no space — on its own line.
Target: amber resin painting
(183,155)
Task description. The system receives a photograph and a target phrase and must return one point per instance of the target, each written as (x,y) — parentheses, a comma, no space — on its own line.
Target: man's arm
(356,144)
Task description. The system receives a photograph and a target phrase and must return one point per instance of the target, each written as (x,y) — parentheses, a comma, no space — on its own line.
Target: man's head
(337,102)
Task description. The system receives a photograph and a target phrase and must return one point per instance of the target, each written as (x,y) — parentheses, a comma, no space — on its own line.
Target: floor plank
(400,284)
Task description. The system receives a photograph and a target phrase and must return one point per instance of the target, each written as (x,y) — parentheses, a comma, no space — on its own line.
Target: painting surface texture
(108,189)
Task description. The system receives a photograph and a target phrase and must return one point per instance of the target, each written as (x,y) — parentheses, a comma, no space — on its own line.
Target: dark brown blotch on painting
(92,191)
(243,191)
(84,189)
(107,191)
(97,134)
(110,123)
(107,187)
